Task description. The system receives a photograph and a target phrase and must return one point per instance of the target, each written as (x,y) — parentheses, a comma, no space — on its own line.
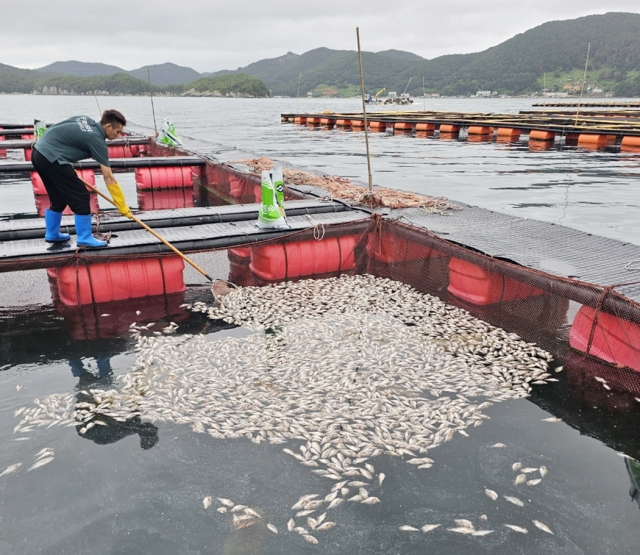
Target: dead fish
(407,528)
(461,530)
(529,470)
(325,526)
(599,379)
(551,419)
(206,502)
(517,528)
(464,523)
(543,527)
(335,503)
(11,469)
(238,508)
(312,523)
(534,482)
(221,510)
(358,484)
(356,499)
(520,479)
(305,512)
(40,463)
(226,502)
(105,315)
(516,466)
(559,369)
(428,527)
(498,445)
(310,539)
(381,478)
(272,528)
(18,387)
(543,471)
(44,452)
(491,494)
(482,532)
(606,386)
(291,525)
(370,501)
(514,500)
(250,511)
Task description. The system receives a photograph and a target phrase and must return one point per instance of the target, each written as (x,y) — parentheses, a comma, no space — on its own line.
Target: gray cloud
(210,36)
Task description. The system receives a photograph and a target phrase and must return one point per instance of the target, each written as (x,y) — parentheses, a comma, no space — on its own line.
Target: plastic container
(303,258)
(615,340)
(300,120)
(403,126)
(120,280)
(481,287)
(378,126)
(170,177)
(343,123)
(39,188)
(120,151)
(507,135)
(448,128)
(425,126)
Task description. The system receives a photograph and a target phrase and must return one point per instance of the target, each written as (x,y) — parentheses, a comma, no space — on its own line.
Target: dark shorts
(63,185)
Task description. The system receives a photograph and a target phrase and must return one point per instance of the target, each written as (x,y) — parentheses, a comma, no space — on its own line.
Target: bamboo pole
(364,112)
(153,110)
(584,79)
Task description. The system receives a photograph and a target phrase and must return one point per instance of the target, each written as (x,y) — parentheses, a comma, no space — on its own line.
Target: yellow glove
(118,199)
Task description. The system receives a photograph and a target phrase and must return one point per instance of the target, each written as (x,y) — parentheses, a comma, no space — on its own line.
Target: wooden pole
(298,95)
(584,79)
(153,110)
(145,226)
(364,112)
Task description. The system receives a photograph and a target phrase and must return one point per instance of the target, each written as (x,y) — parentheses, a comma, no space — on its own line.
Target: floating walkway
(592,130)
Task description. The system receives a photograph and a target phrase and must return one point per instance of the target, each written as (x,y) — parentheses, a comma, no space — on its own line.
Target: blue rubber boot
(52,221)
(85,234)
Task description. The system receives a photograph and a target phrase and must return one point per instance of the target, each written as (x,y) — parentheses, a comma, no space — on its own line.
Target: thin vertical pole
(584,79)
(153,110)
(424,95)
(298,95)
(364,112)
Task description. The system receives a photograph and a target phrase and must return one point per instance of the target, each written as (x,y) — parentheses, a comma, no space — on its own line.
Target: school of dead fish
(341,370)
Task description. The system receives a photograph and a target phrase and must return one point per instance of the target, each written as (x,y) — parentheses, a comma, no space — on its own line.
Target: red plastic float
(304,258)
(448,128)
(300,120)
(390,248)
(313,121)
(425,126)
(592,141)
(165,199)
(378,126)
(3,152)
(357,123)
(479,130)
(43,203)
(117,281)
(343,123)
(39,188)
(171,177)
(614,340)
(403,126)
(630,144)
(507,135)
(539,135)
(478,286)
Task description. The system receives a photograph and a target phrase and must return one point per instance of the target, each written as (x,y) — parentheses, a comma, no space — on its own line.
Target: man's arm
(109,179)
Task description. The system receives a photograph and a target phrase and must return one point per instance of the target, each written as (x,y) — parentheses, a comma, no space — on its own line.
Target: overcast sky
(209,35)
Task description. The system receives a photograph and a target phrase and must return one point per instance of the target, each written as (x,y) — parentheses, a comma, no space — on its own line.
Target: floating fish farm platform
(593,129)
(480,259)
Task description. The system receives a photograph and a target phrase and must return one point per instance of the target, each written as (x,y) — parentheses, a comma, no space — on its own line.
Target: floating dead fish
(11,469)
(517,528)
(491,494)
(514,500)
(226,502)
(370,501)
(291,525)
(407,528)
(534,482)
(221,510)
(529,470)
(206,502)
(429,527)
(325,526)
(272,528)
(310,539)
(543,527)
(482,532)
(461,530)
(520,479)
(543,471)
(516,466)
(40,463)
(498,445)
(552,419)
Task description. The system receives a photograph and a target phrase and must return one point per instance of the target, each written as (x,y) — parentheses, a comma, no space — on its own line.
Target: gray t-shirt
(74,139)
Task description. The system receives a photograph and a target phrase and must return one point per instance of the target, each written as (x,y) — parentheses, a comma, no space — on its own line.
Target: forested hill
(516,66)
(553,54)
